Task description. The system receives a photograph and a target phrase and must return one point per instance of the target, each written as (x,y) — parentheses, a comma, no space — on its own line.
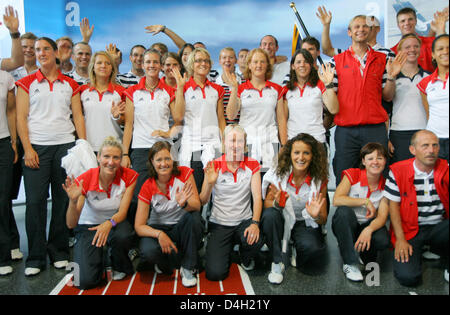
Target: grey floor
(328,280)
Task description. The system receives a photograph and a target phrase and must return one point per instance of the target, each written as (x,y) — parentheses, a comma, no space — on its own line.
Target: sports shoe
(32,271)
(352,272)
(117,275)
(188,278)
(276,274)
(430,255)
(60,264)
(250,266)
(5,270)
(294,256)
(446,275)
(16,254)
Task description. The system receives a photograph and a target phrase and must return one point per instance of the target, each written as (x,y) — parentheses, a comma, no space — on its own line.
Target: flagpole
(292,5)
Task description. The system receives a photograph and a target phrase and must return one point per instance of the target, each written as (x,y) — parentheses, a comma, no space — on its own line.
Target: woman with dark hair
(294,191)
(359,221)
(184,53)
(305,95)
(168,214)
(434,91)
(48,113)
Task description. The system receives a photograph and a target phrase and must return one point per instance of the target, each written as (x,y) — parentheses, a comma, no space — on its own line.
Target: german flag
(296,40)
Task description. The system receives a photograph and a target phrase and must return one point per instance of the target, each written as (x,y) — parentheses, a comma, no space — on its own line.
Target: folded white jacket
(79,159)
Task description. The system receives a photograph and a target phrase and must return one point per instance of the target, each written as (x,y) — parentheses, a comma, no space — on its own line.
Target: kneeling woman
(295,203)
(236,180)
(98,206)
(356,224)
(173,226)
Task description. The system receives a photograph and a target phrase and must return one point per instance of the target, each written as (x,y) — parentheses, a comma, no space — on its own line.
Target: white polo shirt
(232,193)
(258,118)
(151,112)
(100,203)
(305,110)
(408,112)
(360,189)
(436,91)
(49,121)
(164,207)
(6,85)
(280,71)
(97,113)
(201,125)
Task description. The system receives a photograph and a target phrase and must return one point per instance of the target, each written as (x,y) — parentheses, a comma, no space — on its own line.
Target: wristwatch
(255,222)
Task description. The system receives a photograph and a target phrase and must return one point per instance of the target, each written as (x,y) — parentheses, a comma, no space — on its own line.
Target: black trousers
(220,245)
(346,228)
(401,139)
(6,215)
(91,260)
(37,182)
(187,236)
(350,140)
(309,242)
(139,159)
(410,273)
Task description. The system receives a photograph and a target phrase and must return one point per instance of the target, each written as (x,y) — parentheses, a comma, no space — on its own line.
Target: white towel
(79,159)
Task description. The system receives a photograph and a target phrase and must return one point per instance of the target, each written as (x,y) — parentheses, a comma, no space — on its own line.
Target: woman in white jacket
(294,192)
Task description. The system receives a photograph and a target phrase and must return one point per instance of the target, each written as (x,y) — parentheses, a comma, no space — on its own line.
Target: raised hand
(11,19)
(230,78)
(73,190)
(314,205)
(112,50)
(155,29)
(181,80)
(393,67)
(211,174)
(324,16)
(118,109)
(183,195)
(326,74)
(85,30)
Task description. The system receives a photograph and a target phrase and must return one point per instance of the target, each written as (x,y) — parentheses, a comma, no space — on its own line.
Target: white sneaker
(430,256)
(32,271)
(61,264)
(294,257)
(250,266)
(264,248)
(276,274)
(446,275)
(157,270)
(117,275)
(16,254)
(188,278)
(6,270)
(352,272)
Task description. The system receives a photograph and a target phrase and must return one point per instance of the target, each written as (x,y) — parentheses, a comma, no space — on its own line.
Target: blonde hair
(361,16)
(231,128)
(111,141)
(191,60)
(92,75)
(405,37)
(247,73)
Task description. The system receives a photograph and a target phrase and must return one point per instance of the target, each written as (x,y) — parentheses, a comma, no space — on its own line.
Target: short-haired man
(406,23)
(280,68)
(81,55)
(361,117)
(27,41)
(137,72)
(65,48)
(418,195)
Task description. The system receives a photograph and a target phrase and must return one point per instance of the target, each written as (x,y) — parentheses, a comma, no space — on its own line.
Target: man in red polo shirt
(362,78)
(406,23)
(418,195)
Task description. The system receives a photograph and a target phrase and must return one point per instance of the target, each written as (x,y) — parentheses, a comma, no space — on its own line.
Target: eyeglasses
(202,60)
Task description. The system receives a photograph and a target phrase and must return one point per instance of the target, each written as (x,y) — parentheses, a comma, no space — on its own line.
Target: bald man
(418,195)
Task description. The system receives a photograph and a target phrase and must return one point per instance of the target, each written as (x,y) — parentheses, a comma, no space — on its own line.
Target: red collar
(224,167)
(95,181)
(307,181)
(365,182)
(155,189)
(110,89)
(40,76)
(435,76)
(191,82)
(141,84)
